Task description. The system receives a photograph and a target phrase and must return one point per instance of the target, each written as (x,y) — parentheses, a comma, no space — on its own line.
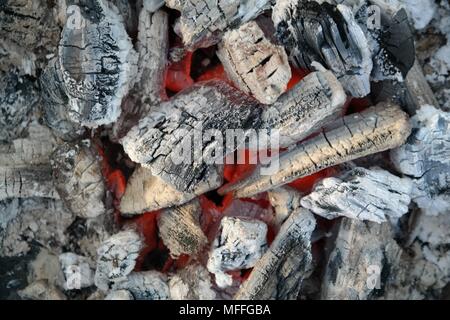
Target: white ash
(255,65)
(25,220)
(77,271)
(434,230)
(191,283)
(147,285)
(285,201)
(78,178)
(146,192)
(364,194)
(117,258)
(119,295)
(426,157)
(239,245)
(41,290)
(46,266)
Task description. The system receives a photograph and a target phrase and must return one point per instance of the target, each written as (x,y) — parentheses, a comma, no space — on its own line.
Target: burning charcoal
(23,221)
(117,258)
(191,283)
(119,295)
(179,228)
(426,157)
(41,290)
(316,100)
(96,61)
(148,285)
(152,46)
(202,21)
(146,192)
(285,200)
(239,245)
(255,65)
(18,95)
(77,271)
(166,139)
(329,34)
(362,253)
(376,129)
(363,194)
(78,178)
(281,270)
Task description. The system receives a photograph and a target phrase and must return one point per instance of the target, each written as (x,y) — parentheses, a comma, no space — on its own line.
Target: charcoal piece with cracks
(364,194)
(180,230)
(77,175)
(374,130)
(191,283)
(328,34)
(280,271)
(165,140)
(147,285)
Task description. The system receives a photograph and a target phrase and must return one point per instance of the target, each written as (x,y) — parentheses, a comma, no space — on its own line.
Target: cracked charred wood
(314,102)
(148,90)
(25,221)
(148,285)
(374,130)
(281,270)
(202,22)
(78,178)
(18,95)
(285,201)
(191,283)
(97,63)
(328,34)
(360,260)
(364,194)
(166,140)
(117,258)
(239,244)
(179,228)
(257,66)
(426,158)
(146,192)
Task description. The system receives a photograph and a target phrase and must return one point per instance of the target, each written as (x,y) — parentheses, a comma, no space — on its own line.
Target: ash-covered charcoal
(97,62)
(281,270)
(77,271)
(34,220)
(152,47)
(257,66)
(374,130)
(41,290)
(148,285)
(203,21)
(78,178)
(360,261)
(191,283)
(179,229)
(328,34)
(119,295)
(18,96)
(314,102)
(426,158)
(146,192)
(117,258)
(239,244)
(285,201)
(167,139)
(364,194)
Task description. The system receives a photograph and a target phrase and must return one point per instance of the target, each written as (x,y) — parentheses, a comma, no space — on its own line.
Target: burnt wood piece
(202,22)
(78,178)
(325,33)
(281,270)
(257,66)
(148,285)
(191,283)
(179,229)
(285,201)
(374,130)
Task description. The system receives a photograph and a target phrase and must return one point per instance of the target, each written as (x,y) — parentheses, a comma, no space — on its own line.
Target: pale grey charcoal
(147,285)
(285,201)
(41,290)
(77,271)
(191,283)
(119,295)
